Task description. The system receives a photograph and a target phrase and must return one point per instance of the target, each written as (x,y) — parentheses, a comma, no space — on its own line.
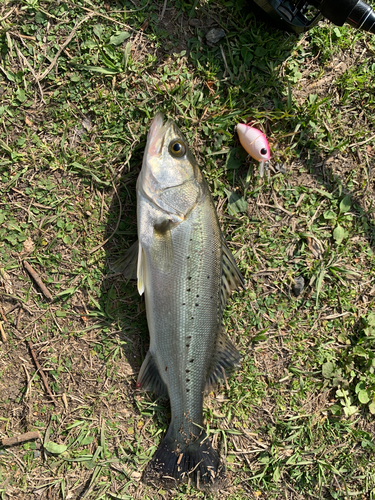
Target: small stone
(194,22)
(214,35)
(36,454)
(87,123)
(136,475)
(299,285)
(28,245)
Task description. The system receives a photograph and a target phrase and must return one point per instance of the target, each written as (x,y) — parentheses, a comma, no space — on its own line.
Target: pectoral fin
(226,360)
(231,278)
(132,265)
(141,269)
(149,378)
(127,263)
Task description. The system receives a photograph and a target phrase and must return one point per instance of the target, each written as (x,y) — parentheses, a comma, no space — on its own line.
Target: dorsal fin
(231,277)
(226,359)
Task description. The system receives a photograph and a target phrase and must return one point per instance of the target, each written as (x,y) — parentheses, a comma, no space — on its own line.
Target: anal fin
(226,360)
(149,378)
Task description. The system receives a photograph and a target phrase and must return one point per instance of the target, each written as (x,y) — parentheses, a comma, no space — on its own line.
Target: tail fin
(197,462)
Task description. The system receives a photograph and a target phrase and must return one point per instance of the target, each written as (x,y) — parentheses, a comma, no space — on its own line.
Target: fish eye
(263,151)
(177,148)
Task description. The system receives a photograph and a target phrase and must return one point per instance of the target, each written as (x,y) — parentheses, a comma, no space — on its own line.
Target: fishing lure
(255,143)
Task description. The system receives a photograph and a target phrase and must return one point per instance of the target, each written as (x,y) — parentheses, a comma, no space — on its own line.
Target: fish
(186,272)
(255,144)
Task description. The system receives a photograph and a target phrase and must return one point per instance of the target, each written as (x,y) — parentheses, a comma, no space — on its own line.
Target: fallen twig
(39,368)
(118,222)
(21,438)
(34,320)
(163,10)
(8,14)
(37,280)
(19,316)
(99,14)
(26,62)
(65,44)
(3,315)
(355,144)
(277,207)
(3,334)
(27,393)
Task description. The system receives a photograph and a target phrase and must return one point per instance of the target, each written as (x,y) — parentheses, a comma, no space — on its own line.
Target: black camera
(301,15)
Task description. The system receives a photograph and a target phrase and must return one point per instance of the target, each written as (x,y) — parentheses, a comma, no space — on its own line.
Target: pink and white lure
(255,143)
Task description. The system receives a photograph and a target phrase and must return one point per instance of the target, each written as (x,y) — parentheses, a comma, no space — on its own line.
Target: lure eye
(263,151)
(177,148)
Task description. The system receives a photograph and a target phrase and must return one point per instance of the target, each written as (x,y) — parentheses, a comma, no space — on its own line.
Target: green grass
(296,421)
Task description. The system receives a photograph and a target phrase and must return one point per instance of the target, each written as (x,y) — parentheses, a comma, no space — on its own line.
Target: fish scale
(186,271)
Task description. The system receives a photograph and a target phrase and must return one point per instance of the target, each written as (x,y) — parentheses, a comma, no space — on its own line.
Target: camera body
(302,15)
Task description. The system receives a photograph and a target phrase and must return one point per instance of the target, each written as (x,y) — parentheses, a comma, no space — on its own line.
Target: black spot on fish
(183,304)
(197,295)
(188,257)
(187,345)
(192,361)
(189,277)
(187,380)
(208,277)
(188,290)
(166,368)
(187,390)
(188,337)
(187,371)
(196,305)
(192,317)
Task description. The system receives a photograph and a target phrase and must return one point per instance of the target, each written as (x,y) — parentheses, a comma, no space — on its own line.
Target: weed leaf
(98,30)
(235,158)
(329,214)
(339,234)
(68,291)
(55,448)
(328,369)
(119,38)
(236,203)
(345,204)
(126,55)
(103,71)
(363,396)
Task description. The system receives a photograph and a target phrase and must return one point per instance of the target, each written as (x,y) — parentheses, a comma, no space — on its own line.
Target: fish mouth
(156,135)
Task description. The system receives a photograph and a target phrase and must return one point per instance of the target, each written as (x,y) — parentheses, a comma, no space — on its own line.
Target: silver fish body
(186,273)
